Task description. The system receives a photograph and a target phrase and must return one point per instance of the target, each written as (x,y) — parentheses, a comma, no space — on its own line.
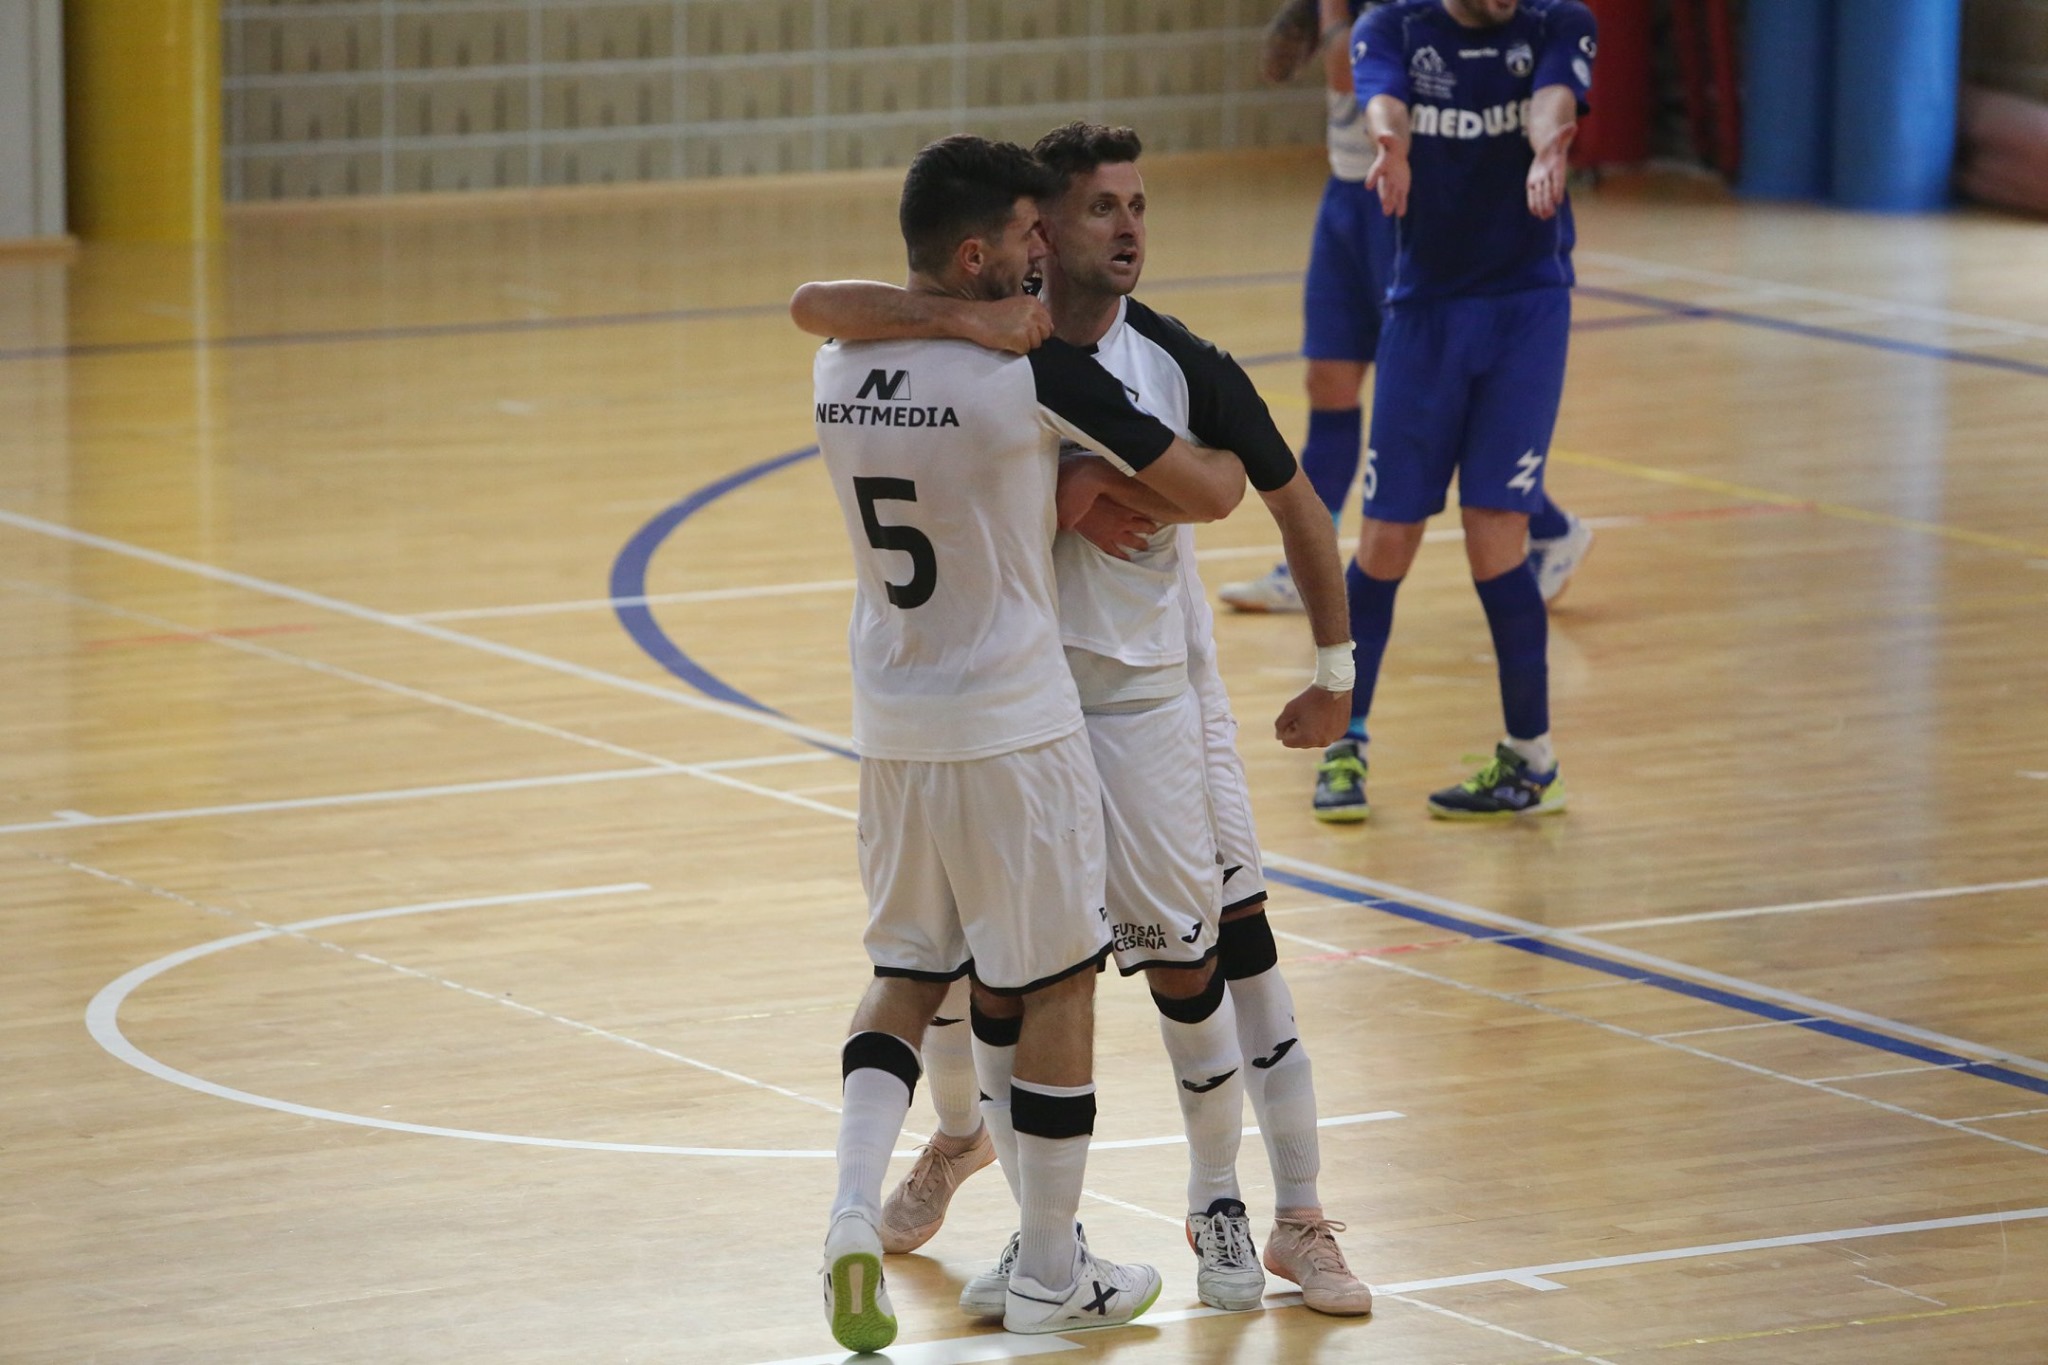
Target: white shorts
(989,864)
(1237,840)
(1164,884)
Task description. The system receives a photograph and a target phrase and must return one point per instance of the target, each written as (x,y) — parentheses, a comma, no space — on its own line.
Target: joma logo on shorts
(1467,124)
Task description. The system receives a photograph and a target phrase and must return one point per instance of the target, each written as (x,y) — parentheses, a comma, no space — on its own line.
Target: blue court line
(1677,985)
(629,580)
(1807,329)
(402,333)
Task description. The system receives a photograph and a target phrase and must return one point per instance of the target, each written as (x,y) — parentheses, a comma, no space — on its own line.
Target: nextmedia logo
(889,385)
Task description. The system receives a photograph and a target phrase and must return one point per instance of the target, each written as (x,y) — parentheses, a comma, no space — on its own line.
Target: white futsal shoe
(856,1301)
(1227,1273)
(1274,592)
(1560,556)
(1104,1294)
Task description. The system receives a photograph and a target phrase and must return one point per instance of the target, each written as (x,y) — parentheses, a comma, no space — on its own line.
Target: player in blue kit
(1348,263)
(1472,106)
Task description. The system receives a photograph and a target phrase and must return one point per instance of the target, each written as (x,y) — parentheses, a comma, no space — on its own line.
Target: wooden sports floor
(427,881)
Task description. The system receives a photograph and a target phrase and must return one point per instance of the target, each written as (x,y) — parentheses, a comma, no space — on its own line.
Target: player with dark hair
(981,837)
(1472,106)
(1185,888)
(1342,294)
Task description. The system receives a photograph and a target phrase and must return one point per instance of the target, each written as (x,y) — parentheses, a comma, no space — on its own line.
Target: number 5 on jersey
(924,564)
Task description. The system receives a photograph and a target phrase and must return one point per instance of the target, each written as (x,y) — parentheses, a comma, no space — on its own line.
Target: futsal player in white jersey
(980,829)
(1184,886)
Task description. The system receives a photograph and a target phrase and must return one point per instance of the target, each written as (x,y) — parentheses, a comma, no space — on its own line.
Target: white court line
(41,527)
(103,1022)
(72,819)
(1334,1121)
(1481,1323)
(1622,1031)
(80,820)
(1793,907)
(1530,929)
(102,1019)
(709,772)
(644,600)
(1436,535)
(322,602)
(963,1350)
(1774,289)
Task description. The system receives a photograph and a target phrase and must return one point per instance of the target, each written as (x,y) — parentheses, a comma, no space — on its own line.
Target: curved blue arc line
(629,581)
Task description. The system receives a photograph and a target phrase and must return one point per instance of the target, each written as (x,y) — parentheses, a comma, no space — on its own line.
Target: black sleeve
(1224,407)
(1088,404)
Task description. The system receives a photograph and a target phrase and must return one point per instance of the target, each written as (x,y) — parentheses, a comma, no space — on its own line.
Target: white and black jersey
(1133,612)
(944,457)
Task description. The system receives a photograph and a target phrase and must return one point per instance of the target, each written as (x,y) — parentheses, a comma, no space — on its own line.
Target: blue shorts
(1466,386)
(1347,265)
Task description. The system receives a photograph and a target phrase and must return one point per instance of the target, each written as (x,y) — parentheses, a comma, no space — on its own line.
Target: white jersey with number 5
(944,457)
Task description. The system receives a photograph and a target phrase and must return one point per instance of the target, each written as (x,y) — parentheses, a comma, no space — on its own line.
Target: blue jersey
(1468,230)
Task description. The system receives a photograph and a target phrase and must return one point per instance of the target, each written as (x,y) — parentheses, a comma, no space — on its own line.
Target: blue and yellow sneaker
(1340,784)
(1502,790)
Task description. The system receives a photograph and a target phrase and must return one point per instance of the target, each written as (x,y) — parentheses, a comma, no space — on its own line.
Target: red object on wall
(1704,33)
(1617,132)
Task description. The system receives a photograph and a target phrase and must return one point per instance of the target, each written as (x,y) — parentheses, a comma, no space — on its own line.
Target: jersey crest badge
(1431,75)
(1521,61)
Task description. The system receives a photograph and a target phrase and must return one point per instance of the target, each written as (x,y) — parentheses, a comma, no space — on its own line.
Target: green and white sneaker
(1340,784)
(856,1301)
(1504,789)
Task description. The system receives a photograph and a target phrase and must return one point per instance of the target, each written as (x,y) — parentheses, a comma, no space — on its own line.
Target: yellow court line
(1884,1320)
(1840,511)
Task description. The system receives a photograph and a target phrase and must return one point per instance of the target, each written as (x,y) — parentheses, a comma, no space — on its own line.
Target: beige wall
(338,97)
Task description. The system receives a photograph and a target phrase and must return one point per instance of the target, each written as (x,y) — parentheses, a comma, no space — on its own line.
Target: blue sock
(1372,621)
(1330,457)
(1548,521)
(1521,644)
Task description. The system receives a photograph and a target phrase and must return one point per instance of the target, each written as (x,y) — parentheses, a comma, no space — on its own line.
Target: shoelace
(1494,774)
(1321,1242)
(1227,1241)
(925,1174)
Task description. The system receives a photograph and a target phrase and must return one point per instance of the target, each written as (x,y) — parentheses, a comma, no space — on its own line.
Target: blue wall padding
(1788,95)
(1897,67)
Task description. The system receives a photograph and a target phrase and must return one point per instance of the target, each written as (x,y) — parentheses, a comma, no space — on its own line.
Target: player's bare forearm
(1207,484)
(1309,542)
(1553,123)
(868,310)
(1336,39)
(1091,476)
(1387,119)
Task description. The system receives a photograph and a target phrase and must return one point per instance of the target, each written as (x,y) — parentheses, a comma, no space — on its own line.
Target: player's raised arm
(868,310)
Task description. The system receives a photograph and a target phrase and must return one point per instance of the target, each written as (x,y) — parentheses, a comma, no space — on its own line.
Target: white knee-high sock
(1053,1123)
(1281,1085)
(949,1066)
(880,1071)
(1208,1074)
(995,1063)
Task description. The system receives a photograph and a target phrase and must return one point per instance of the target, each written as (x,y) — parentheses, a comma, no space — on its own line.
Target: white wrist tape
(1334,669)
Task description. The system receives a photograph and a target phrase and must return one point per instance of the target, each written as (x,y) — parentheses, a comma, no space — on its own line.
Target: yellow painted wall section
(142,103)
